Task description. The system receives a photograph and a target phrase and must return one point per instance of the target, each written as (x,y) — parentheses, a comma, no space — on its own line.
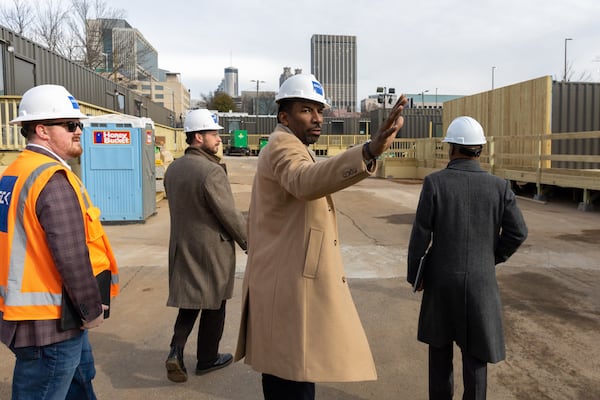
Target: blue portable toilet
(118,166)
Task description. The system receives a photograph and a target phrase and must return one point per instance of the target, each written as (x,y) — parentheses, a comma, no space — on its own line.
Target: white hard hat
(46,102)
(302,86)
(465,131)
(200,120)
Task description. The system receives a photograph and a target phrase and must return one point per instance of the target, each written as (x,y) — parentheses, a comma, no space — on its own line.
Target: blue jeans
(59,371)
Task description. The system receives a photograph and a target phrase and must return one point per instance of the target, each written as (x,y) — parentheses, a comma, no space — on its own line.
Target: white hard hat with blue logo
(302,86)
(200,120)
(46,102)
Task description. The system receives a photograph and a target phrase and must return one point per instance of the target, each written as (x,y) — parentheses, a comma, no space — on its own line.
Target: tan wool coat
(299,321)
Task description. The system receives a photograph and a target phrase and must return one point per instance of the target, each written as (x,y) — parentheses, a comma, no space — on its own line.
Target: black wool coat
(471,221)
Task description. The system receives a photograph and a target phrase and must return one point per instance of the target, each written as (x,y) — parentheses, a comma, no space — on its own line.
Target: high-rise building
(333,63)
(130,59)
(125,50)
(230,82)
(287,72)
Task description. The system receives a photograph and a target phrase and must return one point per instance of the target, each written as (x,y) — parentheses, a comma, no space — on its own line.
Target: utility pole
(258,82)
(386,94)
(423,98)
(565,75)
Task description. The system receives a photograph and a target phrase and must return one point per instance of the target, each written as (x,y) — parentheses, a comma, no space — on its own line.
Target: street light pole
(382,89)
(386,92)
(173,100)
(258,82)
(565,76)
(423,98)
(493,68)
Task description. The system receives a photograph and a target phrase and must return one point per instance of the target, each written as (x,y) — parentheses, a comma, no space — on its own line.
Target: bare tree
(18,17)
(87,32)
(50,26)
(572,75)
(124,57)
(81,30)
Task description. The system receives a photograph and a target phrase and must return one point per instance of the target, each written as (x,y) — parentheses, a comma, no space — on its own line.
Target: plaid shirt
(59,214)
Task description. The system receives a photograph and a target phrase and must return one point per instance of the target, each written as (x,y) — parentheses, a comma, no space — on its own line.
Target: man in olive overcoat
(299,323)
(205,225)
(470,221)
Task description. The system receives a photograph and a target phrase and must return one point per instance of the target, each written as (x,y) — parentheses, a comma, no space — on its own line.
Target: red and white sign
(112,137)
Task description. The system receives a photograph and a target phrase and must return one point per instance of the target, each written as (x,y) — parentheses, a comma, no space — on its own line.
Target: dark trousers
(441,375)
(210,332)
(275,388)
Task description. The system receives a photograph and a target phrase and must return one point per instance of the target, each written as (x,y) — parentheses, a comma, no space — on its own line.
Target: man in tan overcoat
(205,225)
(299,323)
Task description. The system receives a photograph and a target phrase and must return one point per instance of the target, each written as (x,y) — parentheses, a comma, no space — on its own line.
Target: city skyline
(452,46)
(458,46)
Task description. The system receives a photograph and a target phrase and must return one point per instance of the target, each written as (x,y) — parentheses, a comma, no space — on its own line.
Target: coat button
(343,279)
(335,242)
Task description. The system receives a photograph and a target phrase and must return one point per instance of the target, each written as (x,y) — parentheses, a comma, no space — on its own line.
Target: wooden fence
(525,158)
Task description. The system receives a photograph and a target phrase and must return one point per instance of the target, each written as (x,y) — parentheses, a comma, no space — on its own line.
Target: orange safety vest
(30,285)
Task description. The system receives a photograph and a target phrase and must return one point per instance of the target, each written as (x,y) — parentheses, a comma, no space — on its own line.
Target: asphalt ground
(550,290)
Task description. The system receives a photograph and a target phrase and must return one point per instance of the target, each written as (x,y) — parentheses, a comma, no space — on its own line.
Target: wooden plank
(582,180)
(572,157)
(517,175)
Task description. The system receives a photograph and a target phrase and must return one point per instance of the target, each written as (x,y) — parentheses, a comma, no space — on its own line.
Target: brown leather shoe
(222,361)
(176,371)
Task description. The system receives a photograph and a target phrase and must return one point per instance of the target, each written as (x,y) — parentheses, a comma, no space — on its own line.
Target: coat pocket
(225,237)
(313,253)
(93,224)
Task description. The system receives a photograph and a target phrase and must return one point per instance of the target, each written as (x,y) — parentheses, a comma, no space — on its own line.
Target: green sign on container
(239,138)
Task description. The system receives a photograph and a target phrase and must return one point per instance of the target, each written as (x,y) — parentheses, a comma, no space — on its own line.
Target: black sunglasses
(70,125)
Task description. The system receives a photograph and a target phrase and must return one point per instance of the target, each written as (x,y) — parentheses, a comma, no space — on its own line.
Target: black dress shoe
(222,361)
(176,371)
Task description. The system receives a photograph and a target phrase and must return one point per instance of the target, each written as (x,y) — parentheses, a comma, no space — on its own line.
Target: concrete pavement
(550,290)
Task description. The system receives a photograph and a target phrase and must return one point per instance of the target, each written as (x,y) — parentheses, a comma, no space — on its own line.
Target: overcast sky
(413,46)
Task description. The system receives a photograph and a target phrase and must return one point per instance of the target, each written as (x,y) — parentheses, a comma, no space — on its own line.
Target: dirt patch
(406,181)
(552,329)
(586,236)
(398,219)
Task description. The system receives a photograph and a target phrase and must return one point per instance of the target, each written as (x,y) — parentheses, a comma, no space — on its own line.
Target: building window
(146,87)
(159,96)
(2,90)
(120,102)
(159,87)
(24,75)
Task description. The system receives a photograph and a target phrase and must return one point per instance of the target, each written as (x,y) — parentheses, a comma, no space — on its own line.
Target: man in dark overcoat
(467,222)
(205,225)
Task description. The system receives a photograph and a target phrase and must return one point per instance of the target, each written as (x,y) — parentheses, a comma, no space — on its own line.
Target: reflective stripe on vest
(17,255)
(114,277)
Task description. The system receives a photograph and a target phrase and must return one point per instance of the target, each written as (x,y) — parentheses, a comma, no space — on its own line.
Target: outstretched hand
(385,135)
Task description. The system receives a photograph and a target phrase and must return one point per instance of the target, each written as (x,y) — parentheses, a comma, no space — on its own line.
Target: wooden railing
(11,139)
(518,158)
